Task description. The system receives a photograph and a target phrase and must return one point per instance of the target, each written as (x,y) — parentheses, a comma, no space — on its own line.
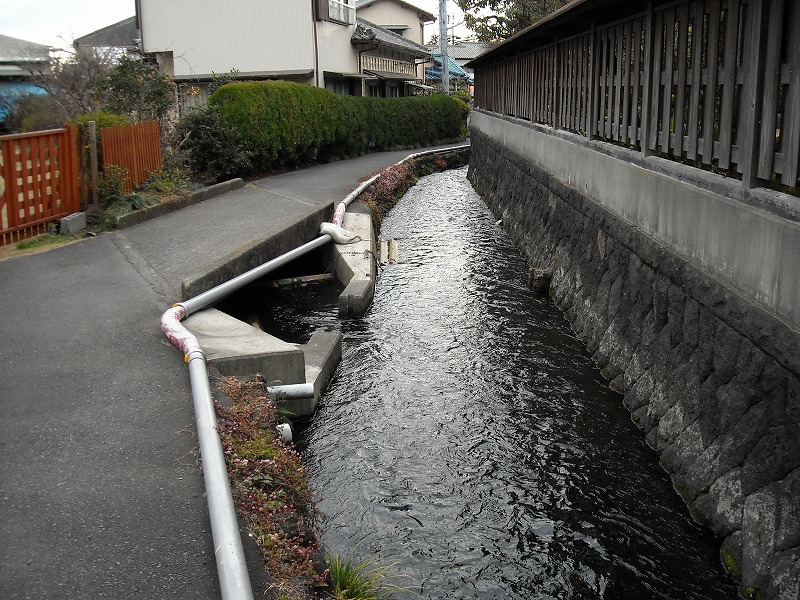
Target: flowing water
(468,441)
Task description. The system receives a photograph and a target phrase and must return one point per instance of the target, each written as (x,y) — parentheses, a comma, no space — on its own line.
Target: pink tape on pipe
(338,214)
(172,327)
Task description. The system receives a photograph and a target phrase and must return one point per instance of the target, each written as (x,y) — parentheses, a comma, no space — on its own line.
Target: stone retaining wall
(710,377)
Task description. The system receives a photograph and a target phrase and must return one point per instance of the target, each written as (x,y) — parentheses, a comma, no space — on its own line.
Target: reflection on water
(468,439)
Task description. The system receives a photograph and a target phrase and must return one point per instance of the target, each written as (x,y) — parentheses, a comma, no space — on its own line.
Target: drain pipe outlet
(292,391)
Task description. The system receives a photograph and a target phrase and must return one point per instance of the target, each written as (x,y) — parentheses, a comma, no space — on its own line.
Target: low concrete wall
(241,261)
(672,307)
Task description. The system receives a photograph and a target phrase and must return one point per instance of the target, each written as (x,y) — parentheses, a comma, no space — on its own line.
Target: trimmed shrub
(211,148)
(281,125)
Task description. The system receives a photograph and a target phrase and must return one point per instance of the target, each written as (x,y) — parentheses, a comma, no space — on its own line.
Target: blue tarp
(456,72)
(11,90)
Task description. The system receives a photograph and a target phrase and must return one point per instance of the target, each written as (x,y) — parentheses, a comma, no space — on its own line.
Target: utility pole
(443,46)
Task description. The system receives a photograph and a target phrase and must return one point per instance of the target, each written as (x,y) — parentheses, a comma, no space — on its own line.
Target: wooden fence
(135,148)
(39,184)
(715,83)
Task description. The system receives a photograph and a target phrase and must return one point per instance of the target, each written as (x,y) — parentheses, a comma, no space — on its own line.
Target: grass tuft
(46,239)
(363,579)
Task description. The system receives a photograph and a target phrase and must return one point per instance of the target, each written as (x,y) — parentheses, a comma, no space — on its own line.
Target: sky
(57,22)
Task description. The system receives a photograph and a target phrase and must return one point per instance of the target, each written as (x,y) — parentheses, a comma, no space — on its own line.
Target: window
(341,11)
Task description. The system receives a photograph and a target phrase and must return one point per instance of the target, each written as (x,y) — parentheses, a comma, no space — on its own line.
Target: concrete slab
(355,264)
(236,348)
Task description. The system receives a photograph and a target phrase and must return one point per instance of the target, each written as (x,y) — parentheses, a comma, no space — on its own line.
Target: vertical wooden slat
(698,31)
(73,150)
(636,83)
(791,136)
(55,170)
(769,105)
(617,112)
(669,64)
(626,82)
(26,173)
(591,83)
(680,89)
(603,72)
(752,93)
(729,83)
(10,177)
(655,79)
(556,104)
(712,74)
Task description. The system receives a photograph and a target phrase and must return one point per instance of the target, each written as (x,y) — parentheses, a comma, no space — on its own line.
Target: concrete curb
(158,210)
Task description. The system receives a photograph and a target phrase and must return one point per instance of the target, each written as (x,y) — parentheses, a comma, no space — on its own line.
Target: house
(319,43)
(21,63)
(397,16)
(464,51)
(119,37)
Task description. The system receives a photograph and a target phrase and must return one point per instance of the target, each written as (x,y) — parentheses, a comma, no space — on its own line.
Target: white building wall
(391,13)
(208,37)
(336,52)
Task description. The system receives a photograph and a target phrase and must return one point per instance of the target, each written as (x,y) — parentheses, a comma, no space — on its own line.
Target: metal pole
(234,581)
(443,46)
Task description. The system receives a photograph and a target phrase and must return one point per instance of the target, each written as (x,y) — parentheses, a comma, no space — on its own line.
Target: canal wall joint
(659,279)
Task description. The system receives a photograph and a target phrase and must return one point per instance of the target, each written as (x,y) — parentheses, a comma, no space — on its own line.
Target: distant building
(21,64)
(123,36)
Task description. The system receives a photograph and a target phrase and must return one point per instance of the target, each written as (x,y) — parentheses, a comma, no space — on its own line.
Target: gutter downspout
(234,579)
(314,21)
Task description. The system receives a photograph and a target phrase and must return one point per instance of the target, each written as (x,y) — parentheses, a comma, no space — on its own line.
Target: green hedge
(281,124)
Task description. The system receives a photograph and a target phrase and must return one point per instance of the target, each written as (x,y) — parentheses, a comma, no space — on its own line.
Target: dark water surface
(468,439)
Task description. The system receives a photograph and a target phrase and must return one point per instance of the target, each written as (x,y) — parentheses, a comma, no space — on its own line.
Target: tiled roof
(369,32)
(467,50)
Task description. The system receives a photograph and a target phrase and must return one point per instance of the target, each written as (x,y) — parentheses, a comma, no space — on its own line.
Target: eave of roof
(122,34)
(572,18)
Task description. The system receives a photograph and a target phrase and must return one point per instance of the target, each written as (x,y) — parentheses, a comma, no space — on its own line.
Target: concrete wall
(662,279)
(748,248)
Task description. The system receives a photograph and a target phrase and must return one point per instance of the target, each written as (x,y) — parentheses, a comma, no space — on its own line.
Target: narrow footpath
(101,495)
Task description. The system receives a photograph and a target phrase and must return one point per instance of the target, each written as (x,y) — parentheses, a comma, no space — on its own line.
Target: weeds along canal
(468,440)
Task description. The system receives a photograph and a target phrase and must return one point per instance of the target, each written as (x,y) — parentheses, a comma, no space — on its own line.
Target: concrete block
(323,353)
(356,298)
(73,223)
(355,266)
(236,348)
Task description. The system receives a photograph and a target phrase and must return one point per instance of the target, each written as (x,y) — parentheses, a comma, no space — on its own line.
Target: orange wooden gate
(135,148)
(39,184)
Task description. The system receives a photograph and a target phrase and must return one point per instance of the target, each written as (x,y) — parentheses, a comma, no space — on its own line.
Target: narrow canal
(468,440)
